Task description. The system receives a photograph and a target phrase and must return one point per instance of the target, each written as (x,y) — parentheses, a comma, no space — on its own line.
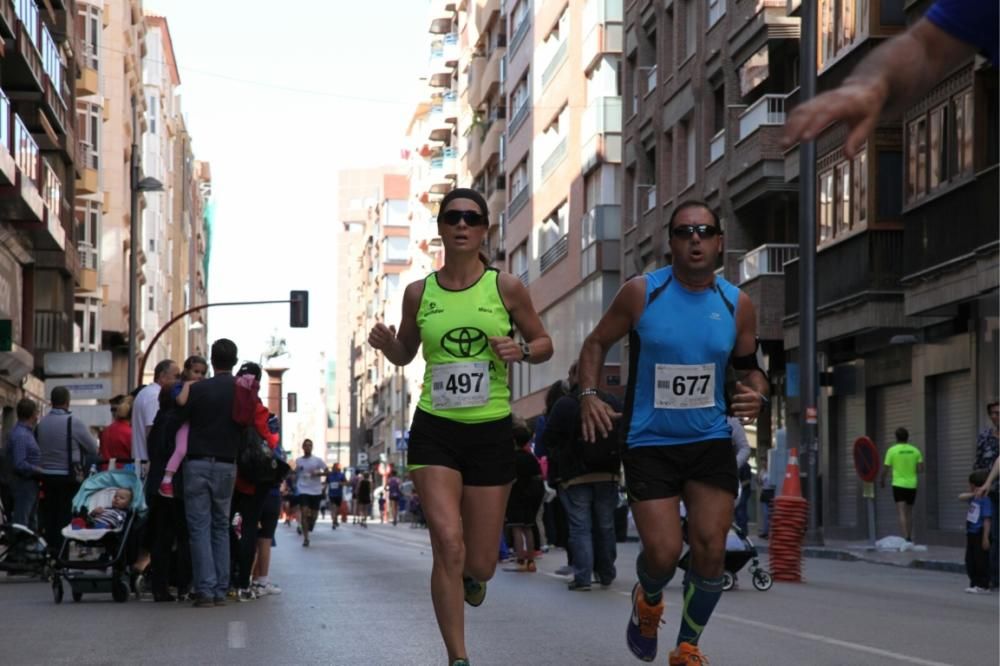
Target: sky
(279,96)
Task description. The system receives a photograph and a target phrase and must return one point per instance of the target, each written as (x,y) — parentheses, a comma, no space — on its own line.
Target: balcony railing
(717,148)
(554,253)
(25,151)
(768,110)
(518,201)
(554,159)
(766,260)
(51,60)
(52,191)
(49,327)
(523,277)
(5,121)
(518,118)
(27,11)
(88,255)
(558,58)
(603,116)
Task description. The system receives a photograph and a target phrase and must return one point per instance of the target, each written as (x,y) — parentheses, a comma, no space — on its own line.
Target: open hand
(746,403)
(858,102)
(506,349)
(596,418)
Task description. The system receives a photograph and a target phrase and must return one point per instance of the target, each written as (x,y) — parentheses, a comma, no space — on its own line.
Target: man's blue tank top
(678,354)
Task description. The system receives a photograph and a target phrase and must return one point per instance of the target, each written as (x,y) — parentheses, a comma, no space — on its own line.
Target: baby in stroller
(739,551)
(107,518)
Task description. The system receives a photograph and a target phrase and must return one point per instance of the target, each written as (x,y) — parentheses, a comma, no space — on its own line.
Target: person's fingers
(859,134)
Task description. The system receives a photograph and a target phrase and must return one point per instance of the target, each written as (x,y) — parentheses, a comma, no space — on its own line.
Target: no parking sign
(866,459)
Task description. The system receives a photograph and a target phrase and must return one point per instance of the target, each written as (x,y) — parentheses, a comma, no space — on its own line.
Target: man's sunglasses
(471,217)
(689,230)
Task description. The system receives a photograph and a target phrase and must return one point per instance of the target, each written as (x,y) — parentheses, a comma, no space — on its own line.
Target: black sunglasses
(471,217)
(689,230)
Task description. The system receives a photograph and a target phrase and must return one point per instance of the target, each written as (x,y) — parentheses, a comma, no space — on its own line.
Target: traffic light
(299,315)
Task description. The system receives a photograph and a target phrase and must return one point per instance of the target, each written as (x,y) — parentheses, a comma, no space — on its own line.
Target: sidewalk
(936,558)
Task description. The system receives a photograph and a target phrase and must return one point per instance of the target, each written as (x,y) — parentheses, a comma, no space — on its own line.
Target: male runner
(309,474)
(335,482)
(685,326)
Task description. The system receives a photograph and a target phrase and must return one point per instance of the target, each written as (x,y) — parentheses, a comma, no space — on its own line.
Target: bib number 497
(460,385)
(684,386)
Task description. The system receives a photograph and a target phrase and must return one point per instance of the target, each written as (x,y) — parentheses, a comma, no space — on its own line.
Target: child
(195,369)
(108,519)
(977,540)
(381,507)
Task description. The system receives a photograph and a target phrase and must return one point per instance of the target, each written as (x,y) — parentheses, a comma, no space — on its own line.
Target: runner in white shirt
(309,474)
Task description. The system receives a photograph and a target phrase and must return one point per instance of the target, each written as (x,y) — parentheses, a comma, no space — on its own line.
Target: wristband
(590,391)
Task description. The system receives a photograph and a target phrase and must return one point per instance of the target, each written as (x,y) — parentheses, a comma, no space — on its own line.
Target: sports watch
(525,350)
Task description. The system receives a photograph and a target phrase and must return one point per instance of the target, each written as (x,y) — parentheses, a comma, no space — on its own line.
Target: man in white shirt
(145,407)
(309,474)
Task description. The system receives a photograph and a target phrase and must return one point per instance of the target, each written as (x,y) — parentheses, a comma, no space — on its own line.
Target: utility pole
(807,274)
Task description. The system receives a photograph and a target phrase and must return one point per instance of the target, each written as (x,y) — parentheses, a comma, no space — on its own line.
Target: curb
(848,556)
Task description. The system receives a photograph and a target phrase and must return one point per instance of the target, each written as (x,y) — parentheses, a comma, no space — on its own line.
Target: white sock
(261,580)
(168,477)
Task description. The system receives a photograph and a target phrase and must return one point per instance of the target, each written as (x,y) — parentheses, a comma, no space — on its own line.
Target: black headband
(464,193)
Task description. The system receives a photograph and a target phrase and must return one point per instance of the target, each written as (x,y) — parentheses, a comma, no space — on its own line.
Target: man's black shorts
(482,452)
(908,495)
(310,501)
(336,501)
(659,472)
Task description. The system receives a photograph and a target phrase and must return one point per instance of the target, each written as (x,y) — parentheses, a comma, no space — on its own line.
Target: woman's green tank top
(464,380)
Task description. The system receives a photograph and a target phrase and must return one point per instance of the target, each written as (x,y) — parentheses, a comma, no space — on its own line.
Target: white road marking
(237,634)
(817,638)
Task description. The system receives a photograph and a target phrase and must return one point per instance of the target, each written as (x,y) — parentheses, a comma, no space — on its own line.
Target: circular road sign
(866,458)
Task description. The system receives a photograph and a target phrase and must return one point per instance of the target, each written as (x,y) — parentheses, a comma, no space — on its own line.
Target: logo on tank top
(432,308)
(464,342)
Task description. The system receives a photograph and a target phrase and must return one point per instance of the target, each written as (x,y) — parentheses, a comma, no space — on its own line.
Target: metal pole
(807,273)
(133,259)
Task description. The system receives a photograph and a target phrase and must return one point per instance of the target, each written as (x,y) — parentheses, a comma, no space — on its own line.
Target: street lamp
(138,185)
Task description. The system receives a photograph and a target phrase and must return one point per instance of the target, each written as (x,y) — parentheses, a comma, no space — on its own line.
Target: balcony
(51,332)
(862,273)
(555,158)
(520,115)
(757,165)
(520,32)
(8,19)
(89,259)
(475,77)
(439,69)
(552,256)
(651,78)
(491,142)
(486,13)
(601,133)
(449,106)
(556,63)
(770,26)
(437,124)
(449,47)
(602,27)
(21,200)
(600,240)
(717,146)
(438,180)
(8,166)
(944,264)
(518,201)
(88,80)
(496,198)
(762,277)
(22,64)
(87,165)
(490,80)
(449,162)
(52,236)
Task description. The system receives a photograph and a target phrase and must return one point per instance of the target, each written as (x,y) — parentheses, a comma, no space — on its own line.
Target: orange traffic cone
(792,486)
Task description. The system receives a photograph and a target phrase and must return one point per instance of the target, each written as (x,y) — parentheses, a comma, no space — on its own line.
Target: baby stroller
(22,550)
(739,550)
(97,560)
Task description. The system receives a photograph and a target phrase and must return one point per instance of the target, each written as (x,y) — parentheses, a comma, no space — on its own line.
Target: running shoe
(687,654)
(475,592)
(167,489)
(271,588)
(643,625)
(246,595)
(530,566)
(565,570)
(579,587)
(460,662)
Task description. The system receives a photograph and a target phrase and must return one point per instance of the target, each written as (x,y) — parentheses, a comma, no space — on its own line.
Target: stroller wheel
(728,580)
(119,589)
(762,580)
(57,590)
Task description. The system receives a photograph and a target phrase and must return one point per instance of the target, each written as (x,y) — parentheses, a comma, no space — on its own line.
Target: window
(691,152)
(716,10)
(939,146)
(519,178)
(519,96)
(690,27)
(553,228)
(519,261)
(151,299)
(825,206)
(938,155)
(860,196)
(520,15)
(964,127)
(152,245)
(152,114)
(842,199)
(89,27)
(842,24)
(397,248)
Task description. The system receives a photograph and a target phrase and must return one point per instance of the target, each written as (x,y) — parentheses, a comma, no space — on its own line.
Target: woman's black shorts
(908,495)
(482,452)
(269,517)
(658,472)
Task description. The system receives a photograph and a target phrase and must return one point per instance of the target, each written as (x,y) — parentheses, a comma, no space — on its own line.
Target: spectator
(116,439)
(25,463)
(394,497)
(525,497)
(900,71)
(144,409)
(65,443)
(977,529)
(904,462)
(588,491)
(987,453)
(209,471)
(766,496)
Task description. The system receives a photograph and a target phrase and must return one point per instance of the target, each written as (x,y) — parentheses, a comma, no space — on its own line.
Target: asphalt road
(362,597)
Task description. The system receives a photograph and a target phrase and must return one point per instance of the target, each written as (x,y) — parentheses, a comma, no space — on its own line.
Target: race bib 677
(684,386)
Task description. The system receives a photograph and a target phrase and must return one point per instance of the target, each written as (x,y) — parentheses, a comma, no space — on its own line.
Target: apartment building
(562,153)
(39,269)
(906,319)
